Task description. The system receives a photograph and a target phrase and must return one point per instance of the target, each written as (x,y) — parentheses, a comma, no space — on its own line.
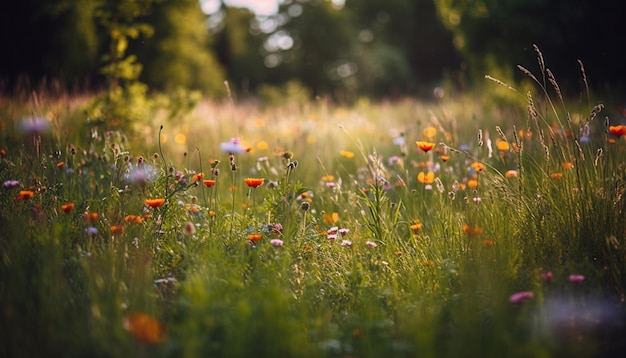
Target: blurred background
(340,49)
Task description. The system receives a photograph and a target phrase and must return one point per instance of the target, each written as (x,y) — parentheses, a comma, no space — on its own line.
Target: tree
(179,54)
(494,36)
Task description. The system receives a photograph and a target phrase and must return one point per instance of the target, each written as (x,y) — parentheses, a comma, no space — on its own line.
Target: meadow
(486,225)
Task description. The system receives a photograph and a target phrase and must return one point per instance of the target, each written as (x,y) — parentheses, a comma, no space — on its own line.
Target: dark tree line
(343,49)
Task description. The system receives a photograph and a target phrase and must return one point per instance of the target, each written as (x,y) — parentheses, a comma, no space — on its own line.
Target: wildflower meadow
(473,225)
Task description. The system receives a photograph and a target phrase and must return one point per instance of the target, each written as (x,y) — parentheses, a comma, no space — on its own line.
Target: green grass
(70,283)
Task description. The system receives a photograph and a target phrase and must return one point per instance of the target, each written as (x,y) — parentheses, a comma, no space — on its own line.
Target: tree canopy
(341,48)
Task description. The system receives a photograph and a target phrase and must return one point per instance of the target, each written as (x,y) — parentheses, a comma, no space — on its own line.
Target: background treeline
(344,49)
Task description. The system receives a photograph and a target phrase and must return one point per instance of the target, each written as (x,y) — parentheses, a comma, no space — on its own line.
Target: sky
(259,7)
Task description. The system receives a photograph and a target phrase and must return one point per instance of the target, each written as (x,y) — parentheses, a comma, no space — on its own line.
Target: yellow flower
(346,154)
(331,218)
(425,146)
(478,166)
(426,178)
(502,145)
(429,132)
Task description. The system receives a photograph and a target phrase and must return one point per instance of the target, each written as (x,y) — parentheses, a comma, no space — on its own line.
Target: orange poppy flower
(255,237)
(567,165)
(445,158)
(472,230)
(197,177)
(155,203)
(145,328)
(117,229)
(60,164)
(426,178)
(425,146)
(417,227)
(428,263)
(488,242)
(67,207)
(25,194)
(472,183)
(556,175)
(133,219)
(254,182)
(618,131)
(90,217)
(209,182)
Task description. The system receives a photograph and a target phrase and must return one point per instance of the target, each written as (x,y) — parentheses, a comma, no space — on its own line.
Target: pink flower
(331,236)
(346,243)
(521,297)
(344,231)
(371,244)
(276,242)
(576,278)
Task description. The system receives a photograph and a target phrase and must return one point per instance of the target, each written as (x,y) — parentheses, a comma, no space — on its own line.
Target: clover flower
(520,297)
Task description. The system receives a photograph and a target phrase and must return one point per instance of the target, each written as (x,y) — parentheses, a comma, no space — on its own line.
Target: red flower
(618,131)
(255,237)
(145,328)
(254,182)
(25,194)
(117,229)
(67,207)
(425,146)
(155,203)
(209,182)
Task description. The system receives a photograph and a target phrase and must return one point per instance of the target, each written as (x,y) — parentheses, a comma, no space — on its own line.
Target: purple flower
(521,297)
(276,242)
(576,278)
(233,146)
(35,125)
(371,244)
(11,184)
(91,231)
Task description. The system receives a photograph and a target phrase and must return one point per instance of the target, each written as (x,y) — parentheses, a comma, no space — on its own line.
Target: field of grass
(462,227)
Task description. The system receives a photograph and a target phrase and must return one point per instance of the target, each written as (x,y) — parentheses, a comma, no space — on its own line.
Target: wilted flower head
(189,228)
